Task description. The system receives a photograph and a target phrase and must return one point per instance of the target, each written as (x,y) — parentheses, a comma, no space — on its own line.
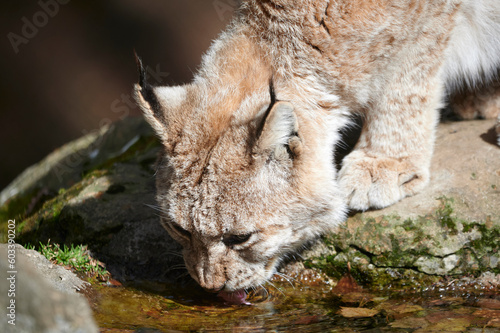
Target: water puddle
(295,307)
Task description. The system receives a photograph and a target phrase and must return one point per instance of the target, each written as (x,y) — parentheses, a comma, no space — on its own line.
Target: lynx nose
(215,288)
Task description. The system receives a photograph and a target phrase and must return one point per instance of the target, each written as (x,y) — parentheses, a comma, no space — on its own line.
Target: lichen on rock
(391,248)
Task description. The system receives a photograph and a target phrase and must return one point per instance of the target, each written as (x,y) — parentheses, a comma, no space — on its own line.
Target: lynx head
(235,183)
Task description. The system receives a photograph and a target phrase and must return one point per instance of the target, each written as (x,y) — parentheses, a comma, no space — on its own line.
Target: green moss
(143,145)
(364,270)
(18,208)
(15,208)
(444,215)
(485,247)
(45,223)
(386,250)
(35,207)
(408,225)
(95,173)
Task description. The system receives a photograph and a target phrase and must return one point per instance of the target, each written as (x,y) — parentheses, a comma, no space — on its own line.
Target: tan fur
(243,181)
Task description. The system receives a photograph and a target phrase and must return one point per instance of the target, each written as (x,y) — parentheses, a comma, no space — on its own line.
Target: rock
(357,312)
(452,228)
(58,170)
(41,296)
(109,208)
(65,166)
(465,167)
(385,249)
(60,278)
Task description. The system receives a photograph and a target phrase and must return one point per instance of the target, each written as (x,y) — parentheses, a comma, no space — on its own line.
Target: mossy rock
(102,203)
(387,250)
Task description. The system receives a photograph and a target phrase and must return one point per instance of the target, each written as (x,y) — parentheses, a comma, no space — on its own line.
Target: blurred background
(67,66)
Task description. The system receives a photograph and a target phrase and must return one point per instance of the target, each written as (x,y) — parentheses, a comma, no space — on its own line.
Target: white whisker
(275,287)
(176,267)
(157,208)
(267,292)
(186,273)
(287,278)
(177,254)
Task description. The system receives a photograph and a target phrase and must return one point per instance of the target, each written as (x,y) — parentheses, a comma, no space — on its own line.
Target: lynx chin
(246,174)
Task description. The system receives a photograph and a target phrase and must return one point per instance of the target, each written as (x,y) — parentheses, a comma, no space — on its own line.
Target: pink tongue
(237,297)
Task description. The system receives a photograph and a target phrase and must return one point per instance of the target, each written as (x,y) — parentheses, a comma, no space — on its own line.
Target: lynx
(246,173)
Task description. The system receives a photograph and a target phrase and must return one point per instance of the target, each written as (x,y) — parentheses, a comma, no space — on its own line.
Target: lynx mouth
(237,297)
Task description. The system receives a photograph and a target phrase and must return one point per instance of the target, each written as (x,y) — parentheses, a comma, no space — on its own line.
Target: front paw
(377,182)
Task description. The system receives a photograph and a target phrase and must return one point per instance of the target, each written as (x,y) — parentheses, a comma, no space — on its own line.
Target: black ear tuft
(146,90)
(142,72)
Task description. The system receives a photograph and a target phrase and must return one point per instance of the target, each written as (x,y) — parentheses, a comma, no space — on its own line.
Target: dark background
(70,69)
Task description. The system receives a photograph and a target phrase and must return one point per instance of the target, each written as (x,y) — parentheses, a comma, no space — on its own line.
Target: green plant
(76,257)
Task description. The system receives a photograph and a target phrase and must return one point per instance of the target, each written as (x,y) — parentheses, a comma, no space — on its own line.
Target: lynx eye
(181,230)
(231,240)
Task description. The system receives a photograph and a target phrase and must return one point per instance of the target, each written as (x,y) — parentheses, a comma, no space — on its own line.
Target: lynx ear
(279,133)
(157,103)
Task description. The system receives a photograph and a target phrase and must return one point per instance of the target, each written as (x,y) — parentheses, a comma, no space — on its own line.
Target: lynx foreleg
(392,158)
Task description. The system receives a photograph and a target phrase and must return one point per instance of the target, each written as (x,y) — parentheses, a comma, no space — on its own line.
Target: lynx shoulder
(247,172)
